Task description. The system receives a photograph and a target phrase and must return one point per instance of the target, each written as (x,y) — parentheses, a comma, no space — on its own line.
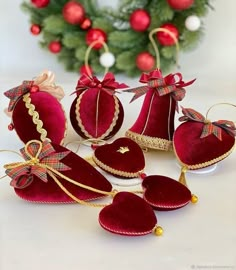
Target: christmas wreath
(67,28)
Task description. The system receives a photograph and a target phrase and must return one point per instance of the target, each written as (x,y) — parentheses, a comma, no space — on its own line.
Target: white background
(68,237)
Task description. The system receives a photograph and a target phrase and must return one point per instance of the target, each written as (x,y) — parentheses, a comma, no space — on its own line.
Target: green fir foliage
(122,40)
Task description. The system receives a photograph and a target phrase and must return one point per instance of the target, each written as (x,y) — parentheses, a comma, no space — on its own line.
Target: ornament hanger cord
(87,53)
(217,104)
(154,31)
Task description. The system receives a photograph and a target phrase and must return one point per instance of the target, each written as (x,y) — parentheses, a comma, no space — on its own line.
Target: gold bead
(158,231)
(194,199)
(34,161)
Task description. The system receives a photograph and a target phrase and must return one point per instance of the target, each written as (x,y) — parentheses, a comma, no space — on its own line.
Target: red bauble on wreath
(35,29)
(95,34)
(40,3)
(180,4)
(164,38)
(145,61)
(73,12)
(54,46)
(139,20)
(86,24)
(87,70)
(96,113)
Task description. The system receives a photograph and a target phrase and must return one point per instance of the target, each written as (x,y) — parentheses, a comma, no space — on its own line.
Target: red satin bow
(37,159)
(209,127)
(171,84)
(108,84)
(15,93)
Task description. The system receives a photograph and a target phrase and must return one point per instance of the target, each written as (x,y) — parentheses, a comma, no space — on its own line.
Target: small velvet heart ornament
(164,193)
(96,113)
(123,158)
(199,143)
(36,110)
(36,185)
(128,215)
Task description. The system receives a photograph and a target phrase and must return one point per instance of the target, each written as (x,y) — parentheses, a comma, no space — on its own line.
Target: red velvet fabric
(191,149)
(131,162)
(128,215)
(94,107)
(164,193)
(81,171)
(156,118)
(50,113)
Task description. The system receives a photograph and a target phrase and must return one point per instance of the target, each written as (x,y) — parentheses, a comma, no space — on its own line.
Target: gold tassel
(182,178)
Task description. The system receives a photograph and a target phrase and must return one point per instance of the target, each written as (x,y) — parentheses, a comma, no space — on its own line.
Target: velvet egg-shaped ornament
(96,112)
(36,110)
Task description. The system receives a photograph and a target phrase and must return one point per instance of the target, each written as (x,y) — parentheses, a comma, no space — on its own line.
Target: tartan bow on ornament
(171,84)
(209,127)
(40,158)
(108,84)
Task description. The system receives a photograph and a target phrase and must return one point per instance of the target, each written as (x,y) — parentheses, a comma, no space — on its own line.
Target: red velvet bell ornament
(36,110)
(154,126)
(96,113)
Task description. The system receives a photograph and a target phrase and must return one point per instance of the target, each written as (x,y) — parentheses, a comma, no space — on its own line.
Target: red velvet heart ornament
(96,113)
(199,143)
(128,215)
(164,193)
(123,158)
(80,171)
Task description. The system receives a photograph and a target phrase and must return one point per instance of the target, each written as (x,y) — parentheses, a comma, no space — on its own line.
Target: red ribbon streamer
(209,127)
(108,84)
(171,84)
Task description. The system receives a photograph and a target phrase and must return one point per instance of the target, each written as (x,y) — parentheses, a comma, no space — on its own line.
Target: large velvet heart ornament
(96,113)
(164,193)
(123,158)
(38,116)
(128,215)
(81,172)
(198,144)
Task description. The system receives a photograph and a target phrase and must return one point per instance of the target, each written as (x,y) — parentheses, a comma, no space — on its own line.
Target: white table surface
(62,237)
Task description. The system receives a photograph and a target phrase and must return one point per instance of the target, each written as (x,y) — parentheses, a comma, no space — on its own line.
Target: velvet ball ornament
(205,143)
(34,182)
(36,109)
(154,126)
(180,4)
(123,158)
(95,34)
(145,61)
(73,12)
(96,113)
(140,20)
(164,38)
(40,3)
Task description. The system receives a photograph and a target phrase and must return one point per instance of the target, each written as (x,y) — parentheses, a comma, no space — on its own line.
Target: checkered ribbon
(15,93)
(108,84)
(209,127)
(38,157)
(171,84)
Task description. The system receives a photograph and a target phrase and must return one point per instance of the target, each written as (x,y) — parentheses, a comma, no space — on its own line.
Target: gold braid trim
(114,171)
(150,142)
(204,164)
(109,130)
(35,117)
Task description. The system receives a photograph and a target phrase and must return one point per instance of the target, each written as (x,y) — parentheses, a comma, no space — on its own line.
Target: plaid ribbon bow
(108,84)
(171,84)
(15,93)
(209,127)
(39,156)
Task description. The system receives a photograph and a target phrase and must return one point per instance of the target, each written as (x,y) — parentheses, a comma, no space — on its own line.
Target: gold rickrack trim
(114,120)
(36,120)
(35,117)
(204,164)
(150,142)
(114,171)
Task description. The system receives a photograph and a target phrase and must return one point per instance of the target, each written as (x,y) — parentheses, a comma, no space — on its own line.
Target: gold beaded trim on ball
(114,171)
(108,131)
(149,142)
